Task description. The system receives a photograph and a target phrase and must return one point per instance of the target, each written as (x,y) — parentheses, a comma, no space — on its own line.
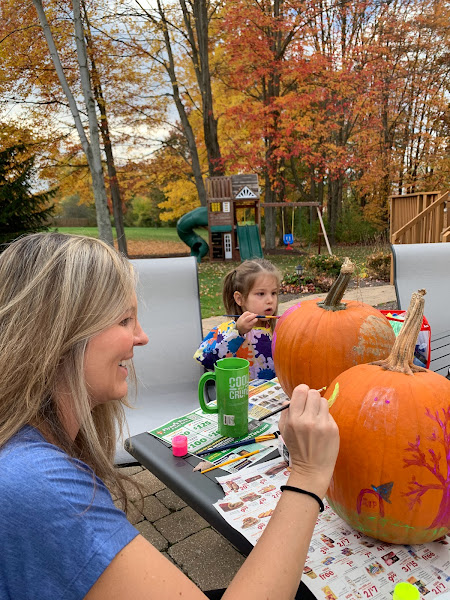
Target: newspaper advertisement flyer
(202,432)
(251,496)
(342,563)
(266,396)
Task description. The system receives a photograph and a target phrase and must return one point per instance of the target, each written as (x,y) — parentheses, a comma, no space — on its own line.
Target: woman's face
(105,361)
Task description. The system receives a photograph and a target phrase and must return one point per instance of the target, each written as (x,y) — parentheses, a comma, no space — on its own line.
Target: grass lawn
(162,234)
(211,273)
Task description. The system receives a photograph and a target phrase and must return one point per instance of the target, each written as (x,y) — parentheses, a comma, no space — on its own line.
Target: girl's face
(105,362)
(262,298)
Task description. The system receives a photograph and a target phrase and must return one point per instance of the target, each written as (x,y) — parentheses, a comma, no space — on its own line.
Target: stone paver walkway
(178,531)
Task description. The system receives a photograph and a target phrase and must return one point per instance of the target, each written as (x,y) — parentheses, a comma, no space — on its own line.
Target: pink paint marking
(361,495)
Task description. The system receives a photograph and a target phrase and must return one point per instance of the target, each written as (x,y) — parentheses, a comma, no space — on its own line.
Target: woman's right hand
(312,437)
(246,322)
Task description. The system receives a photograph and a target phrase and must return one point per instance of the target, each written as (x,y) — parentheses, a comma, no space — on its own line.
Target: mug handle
(201,392)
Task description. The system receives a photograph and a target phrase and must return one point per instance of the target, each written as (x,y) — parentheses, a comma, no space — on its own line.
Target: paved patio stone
(131,470)
(153,509)
(170,499)
(148,483)
(208,559)
(150,534)
(134,515)
(179,525)
(171,559)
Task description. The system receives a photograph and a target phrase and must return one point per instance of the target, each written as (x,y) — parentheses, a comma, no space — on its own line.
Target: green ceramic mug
(231,377)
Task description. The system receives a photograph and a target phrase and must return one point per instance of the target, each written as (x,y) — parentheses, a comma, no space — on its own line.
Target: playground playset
(233,218)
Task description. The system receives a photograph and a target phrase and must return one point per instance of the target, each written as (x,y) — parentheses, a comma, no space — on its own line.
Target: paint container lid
(179,445)
(405,591)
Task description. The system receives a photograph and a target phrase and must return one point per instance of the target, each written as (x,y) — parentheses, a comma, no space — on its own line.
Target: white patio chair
(169,312)
(424,266)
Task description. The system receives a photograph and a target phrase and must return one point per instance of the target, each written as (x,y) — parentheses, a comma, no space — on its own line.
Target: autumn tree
(259,38)
(105,133)
(91,146)
(121,89)
(197,15)
(176,36)
(338,93)
(170,171)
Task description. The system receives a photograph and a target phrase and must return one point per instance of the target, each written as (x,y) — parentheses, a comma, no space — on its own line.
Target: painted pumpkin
(392,476)
(315,340)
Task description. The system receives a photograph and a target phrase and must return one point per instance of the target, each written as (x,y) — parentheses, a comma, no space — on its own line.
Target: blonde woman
(68,330)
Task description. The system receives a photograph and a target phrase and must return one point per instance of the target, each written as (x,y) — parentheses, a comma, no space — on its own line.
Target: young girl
(250,290)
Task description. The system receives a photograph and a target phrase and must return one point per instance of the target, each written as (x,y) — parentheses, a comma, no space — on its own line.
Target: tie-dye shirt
(224,340)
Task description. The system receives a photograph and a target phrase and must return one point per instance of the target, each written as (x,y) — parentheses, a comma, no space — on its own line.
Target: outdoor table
(201,491)
(197,490)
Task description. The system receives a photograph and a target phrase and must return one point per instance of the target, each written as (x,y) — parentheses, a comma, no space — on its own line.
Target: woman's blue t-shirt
(59,527)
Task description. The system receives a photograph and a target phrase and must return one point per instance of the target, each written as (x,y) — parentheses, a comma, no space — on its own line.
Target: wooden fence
(420,218)
(72,222)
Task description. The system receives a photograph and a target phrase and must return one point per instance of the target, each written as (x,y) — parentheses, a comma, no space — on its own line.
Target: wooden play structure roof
(242,186)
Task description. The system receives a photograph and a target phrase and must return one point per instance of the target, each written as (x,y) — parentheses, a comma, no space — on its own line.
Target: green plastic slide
(185,229)
(249,242)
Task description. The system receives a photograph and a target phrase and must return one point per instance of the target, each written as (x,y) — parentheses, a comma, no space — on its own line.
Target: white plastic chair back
(169,312)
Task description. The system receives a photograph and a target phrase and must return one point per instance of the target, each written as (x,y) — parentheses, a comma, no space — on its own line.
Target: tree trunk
(333,187)
(98,182)
(269,215)
(116,199)
(200,57)
(187,129)
(92,153)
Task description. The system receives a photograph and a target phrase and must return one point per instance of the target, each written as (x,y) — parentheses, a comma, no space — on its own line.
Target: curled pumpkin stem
(339,287)
(401,358)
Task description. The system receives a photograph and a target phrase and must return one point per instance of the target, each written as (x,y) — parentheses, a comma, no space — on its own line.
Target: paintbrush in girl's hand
(277,410)
(257,316)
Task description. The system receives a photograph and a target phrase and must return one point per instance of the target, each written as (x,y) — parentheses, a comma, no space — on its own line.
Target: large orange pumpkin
(392,476)
(316,340)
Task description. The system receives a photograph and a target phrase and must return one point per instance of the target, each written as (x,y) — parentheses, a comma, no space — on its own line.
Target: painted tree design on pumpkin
(431,462)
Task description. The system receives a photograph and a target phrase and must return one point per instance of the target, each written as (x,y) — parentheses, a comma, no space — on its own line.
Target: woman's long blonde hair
(56,292)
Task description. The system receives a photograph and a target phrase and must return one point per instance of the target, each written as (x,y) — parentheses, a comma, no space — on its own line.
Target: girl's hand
(246,322)
(312,438)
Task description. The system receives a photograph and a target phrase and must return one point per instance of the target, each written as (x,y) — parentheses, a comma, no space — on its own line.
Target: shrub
(378,265)
(291,284)
(290,278)
(324,264)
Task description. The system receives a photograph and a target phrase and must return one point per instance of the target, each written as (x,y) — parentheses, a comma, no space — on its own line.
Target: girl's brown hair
(242,279)
(56,292)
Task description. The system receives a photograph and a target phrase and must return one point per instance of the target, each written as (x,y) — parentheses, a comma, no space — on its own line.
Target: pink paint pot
(179,445)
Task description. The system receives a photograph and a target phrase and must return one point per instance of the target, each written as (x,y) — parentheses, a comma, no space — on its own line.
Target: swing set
(288,238)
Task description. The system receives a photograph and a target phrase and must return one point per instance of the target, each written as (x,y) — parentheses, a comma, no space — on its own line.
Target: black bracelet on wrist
(291,488)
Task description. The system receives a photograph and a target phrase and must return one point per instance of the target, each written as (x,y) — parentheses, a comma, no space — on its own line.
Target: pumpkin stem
(402,355)
(337,290)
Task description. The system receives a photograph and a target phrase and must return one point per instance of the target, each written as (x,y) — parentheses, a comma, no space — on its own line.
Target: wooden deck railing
(420,218)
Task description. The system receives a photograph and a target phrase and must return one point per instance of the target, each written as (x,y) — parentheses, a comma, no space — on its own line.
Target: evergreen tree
(21,211)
